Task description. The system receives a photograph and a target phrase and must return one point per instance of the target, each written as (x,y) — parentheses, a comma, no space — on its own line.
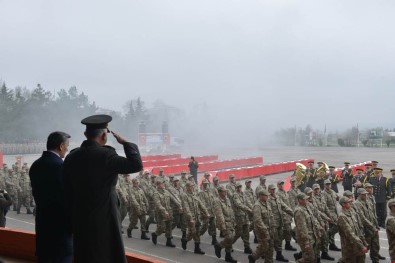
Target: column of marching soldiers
(178,202)
(16,182)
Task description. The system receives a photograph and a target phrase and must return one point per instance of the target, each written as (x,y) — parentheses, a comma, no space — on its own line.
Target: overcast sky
(255,63)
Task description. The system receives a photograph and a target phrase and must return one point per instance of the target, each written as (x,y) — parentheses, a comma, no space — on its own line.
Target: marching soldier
(194,212)
(242,208)
(311,174)
(347,177)
(183,179)
(330,198)
(292,193)
(13,188)
(392,183)
(231,186)
(206,177)
(334,178)
(164,178)
(163,200)
(191,179)
(354,248)
(138,207)
(249,193)
(382,191)
(216,184)
(357,181)
(264,229)
(151,203)
(208,199)
(279,209)
(306,233)
(178,218)
(287,219)
(225,223)
(24,194)
(144,181)
(261,186)
(122,191)
(390,229)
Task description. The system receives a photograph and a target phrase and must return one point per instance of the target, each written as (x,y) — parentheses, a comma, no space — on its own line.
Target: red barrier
(160,157)
(179,161)
(211,166)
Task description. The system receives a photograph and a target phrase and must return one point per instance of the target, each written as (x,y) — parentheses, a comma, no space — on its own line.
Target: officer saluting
(90,175)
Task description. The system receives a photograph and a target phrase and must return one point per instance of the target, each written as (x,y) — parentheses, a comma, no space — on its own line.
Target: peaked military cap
(344,199)
(368,164)
(375,162)
(327,181)
(205,181)
(315,186)
(271,186)
(171,176)
(231,176)
(392,170)
(262,178)
(320,163)
(215,178)
(378,170)
(308,190)
(368,185)
(311,161)
(362,191)
(302,196)
(183,172)
(97,121)
(248,181)
(331,167)
(346,163)
(189,184)
(190,176)
(293,179)
(359,169)
(134,180)
(280,182)
(176,179)
(207,174)
(238,184)
(160,169)
(263,192)
(153,175)
(146,172)
(347,193)
(221,188)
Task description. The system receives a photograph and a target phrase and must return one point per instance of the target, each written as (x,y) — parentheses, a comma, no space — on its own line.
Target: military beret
(375,162)
(315,186)
(392,170)
(189,184)
(301,196)
(215,178)
(327,181)
(171,176)
(248,181)
(391,203)
(346,163)
(308,190)
(207,174)
(344,199)
(183,172)
(368,185)
(347,193)
(238,184)
(262,177)
(99,121)
(361,191)
(160,169)
(331,167)
(271,186)
(293,179)
(205,181)
(221,188)
(280,182)
(263,192)
(176,179)
(231,176)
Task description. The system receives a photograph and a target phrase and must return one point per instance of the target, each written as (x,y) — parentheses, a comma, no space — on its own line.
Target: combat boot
(169,243)
(144,236)
(184,243)
(218,249)
(318,260)
(247,250)
(333,247)
(154,238)
(381,257)
(214,240)
(147,226)
(198,250)
(280,257)
(289,247)
(325,255)
(251,259)
(184,235)
(129,233)
(228,258)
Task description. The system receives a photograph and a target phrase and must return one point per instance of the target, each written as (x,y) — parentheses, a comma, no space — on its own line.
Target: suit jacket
(53,232)
(90,174)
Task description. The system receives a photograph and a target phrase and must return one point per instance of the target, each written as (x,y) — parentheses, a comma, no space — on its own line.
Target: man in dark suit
(53,233)
(90,176)
(193,168)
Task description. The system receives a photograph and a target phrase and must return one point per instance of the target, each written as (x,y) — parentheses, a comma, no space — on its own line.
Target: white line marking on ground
(20,221)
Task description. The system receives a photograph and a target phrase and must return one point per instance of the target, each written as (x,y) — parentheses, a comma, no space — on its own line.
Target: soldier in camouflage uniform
(144,181)
(390,229)
(178,218)
(249,193)
(215,186)
(191,179)
(122,191)
(353,247)
(206,177)
(264,228)
(225,223)
(194,212)
(231,186)
(149,194)
(164,178)
(278,209)
(24,194)
(138,207)
(281,194)
(242,209)
(208,200)
(183,179)
(163,208)
(261,186)
(13,188)
(306,233)
(330,199)
(365,210)
(392,183)
(292,193)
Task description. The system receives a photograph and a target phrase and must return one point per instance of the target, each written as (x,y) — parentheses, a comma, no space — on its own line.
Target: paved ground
(332,155)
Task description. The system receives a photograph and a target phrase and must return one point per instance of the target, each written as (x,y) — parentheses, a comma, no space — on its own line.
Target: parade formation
(228,212)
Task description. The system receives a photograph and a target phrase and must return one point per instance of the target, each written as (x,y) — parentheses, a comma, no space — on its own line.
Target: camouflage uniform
(178,218)
(392,183)
(149,194)
(231,186)
(183,179)
(287,220)
(138,207)
(13,188)
(122,191)
(194,212)
(241,208)
(24,193)
(208,200)
(264,228)
(351,242)
(249,193)
(330,198)
(390,229)
(261,186)
(293,201)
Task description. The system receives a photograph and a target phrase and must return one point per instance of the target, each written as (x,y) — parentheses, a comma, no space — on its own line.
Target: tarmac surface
(331,155)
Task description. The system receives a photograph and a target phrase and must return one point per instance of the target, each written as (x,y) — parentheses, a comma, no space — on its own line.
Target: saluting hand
(120,140)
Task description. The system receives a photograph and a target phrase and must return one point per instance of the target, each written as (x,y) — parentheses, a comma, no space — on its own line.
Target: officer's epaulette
(74,149)
(108,146)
